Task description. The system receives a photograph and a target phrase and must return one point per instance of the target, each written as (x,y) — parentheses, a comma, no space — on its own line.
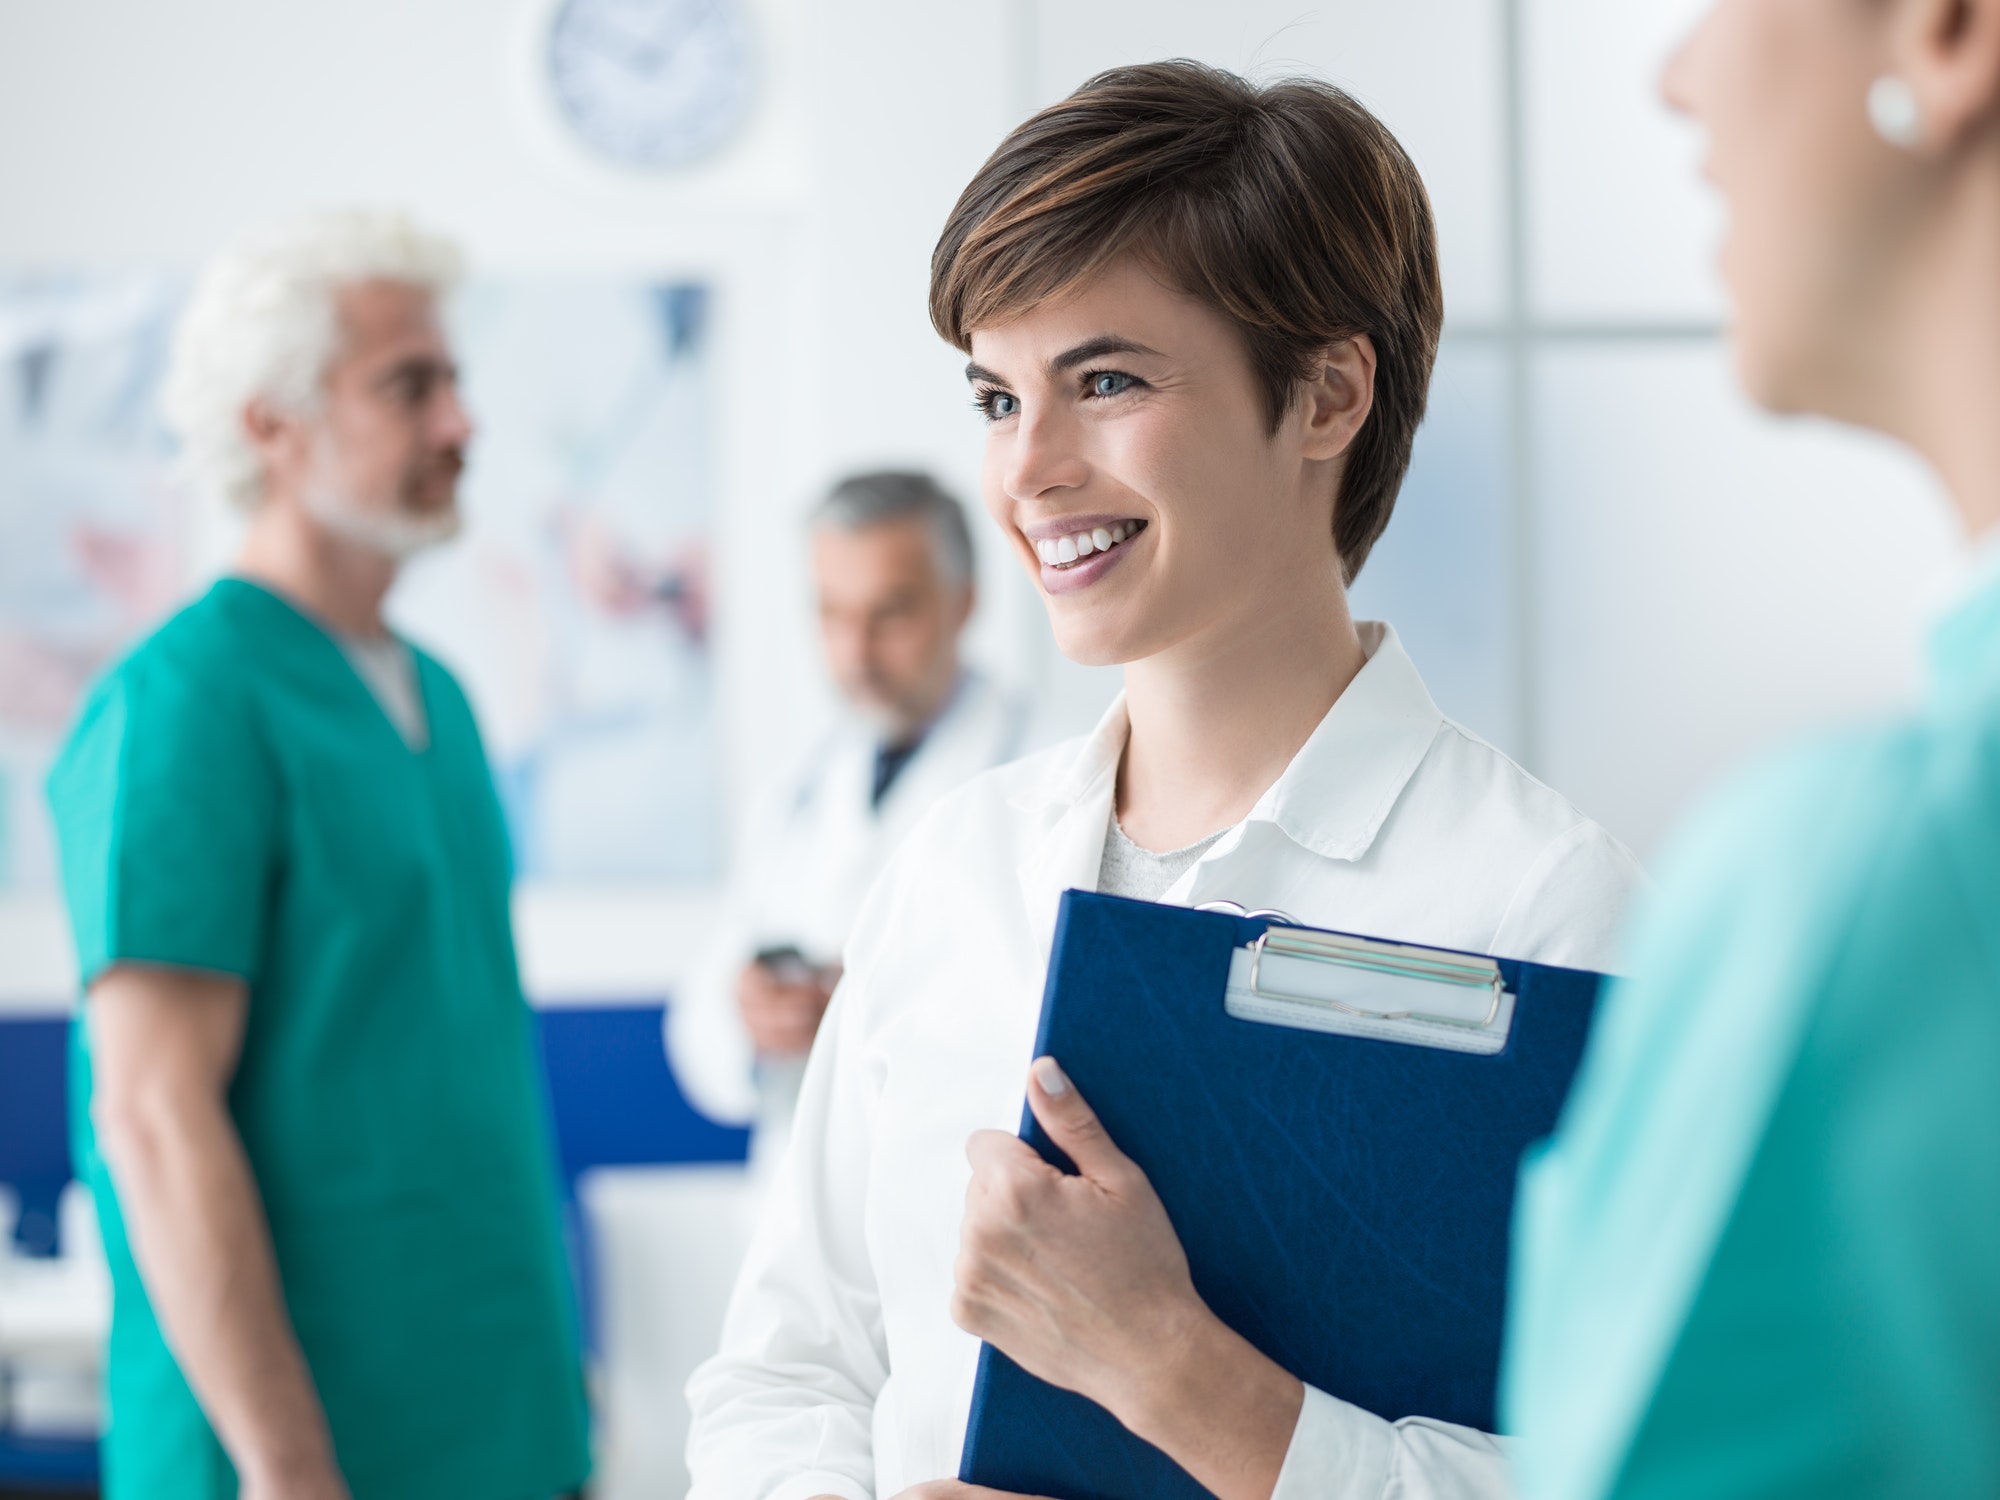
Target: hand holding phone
(782,995)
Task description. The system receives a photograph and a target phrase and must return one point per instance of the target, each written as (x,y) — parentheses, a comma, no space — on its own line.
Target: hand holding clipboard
(1081,1278)
(1329,1124)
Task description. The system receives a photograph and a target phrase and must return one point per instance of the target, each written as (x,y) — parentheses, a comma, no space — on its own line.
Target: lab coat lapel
(1067,847)
(845,830)
(961,744)
(1070,857)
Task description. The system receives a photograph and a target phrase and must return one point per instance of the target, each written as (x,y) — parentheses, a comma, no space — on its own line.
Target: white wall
(136,134)
(1684,580)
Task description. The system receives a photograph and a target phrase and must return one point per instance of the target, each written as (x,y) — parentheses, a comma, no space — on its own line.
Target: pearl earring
(1894,112)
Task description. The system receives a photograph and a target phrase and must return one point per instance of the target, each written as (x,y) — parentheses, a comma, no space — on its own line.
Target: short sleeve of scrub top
(166,801)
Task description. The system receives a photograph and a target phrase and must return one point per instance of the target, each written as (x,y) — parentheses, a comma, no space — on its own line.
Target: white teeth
(1060,551)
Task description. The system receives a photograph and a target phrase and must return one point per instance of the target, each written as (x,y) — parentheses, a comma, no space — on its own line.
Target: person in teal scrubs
(1761,1256)
(307,1096)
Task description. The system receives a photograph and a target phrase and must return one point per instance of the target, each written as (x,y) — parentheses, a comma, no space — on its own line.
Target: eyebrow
(1077,354)
(418,364)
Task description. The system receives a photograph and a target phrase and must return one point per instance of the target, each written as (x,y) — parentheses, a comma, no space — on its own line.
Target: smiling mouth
(1067,551)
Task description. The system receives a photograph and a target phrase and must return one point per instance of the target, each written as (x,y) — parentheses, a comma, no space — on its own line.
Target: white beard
(393,534)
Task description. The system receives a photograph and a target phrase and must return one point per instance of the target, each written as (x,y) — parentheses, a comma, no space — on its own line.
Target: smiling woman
(1201,317)
(1314,185)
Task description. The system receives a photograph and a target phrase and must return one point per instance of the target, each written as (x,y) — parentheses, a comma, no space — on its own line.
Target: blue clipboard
(1334,1125)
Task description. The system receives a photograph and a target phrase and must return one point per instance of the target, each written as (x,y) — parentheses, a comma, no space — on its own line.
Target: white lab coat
(840,1370)
(814,851)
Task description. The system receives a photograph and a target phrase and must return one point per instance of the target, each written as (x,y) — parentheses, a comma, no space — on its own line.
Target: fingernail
(1050,1077)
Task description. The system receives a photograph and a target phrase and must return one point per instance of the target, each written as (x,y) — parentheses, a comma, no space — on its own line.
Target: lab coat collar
(1332,799)
(932,767)
(1073,804)
(1336,794)
(1081,774)
(1338,789)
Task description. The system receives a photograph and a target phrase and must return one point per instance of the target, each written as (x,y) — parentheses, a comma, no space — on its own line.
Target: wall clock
(650,83)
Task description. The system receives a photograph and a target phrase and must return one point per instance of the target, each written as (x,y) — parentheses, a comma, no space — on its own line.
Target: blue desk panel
(611,1093)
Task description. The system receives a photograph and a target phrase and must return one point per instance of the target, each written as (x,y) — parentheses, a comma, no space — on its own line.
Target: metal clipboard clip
(1330,981)
(1431,965)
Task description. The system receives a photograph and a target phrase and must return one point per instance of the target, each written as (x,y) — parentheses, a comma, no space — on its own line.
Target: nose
(1044,454)
(1676,77)
(453,426)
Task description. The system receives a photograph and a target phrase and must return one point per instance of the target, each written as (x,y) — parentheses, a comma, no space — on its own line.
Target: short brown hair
(1288,208)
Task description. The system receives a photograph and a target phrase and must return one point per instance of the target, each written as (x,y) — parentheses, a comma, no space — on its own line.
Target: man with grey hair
(309,1107)
(893,569)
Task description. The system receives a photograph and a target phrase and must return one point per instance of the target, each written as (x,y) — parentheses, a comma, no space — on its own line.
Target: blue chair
(34,1130)
(35,1163)
(614,1099)
(615,1103)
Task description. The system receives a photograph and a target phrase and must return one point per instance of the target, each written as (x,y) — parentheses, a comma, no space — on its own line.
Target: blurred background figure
(892,566)
(309,1108)
(1761,1256)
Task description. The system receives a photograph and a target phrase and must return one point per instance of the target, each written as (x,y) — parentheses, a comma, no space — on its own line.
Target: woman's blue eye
(1110,383)
(1004,405)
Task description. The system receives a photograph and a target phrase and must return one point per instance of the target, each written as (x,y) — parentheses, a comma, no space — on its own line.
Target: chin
(423,511)
(1774,382)
(1779,335)
(1752,375)
(1095,643)
(881,717)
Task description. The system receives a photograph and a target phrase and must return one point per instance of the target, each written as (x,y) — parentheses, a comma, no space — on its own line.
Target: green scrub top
(234,799)
(1761,1255)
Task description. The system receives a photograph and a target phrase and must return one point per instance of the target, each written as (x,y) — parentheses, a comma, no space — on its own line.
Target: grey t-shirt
(1141,874)
(389,669)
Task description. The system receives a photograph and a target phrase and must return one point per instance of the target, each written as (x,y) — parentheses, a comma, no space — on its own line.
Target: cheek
(1784,102)
(1217,488)
(993,494)
(1182,467)
(397,438)
(1796,218)
(1773,304)
(907,640)
(377,457)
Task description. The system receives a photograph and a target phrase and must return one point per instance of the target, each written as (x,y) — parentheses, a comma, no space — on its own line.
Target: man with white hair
(308,1103)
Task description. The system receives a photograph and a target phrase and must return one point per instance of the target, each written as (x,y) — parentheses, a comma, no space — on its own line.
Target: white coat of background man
(892,566)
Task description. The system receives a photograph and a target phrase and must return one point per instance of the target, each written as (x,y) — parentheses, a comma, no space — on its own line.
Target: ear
(1948,51)
(1337,400)
(283,441)
(272,431)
